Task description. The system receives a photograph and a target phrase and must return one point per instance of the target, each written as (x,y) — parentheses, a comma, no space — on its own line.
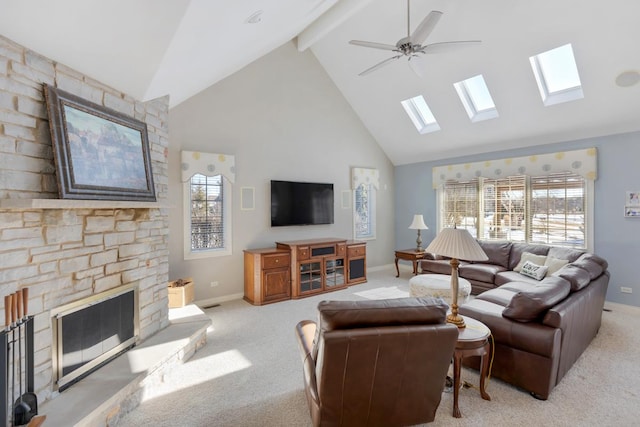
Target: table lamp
(456,244)
(418,224)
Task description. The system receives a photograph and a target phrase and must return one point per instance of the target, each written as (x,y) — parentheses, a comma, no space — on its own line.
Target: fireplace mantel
(77,204)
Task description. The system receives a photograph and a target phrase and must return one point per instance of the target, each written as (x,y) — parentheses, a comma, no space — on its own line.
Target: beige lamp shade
(418,223)
(457,243)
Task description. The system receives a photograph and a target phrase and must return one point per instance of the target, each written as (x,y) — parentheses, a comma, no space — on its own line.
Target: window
(476,99)
(549,209)
(420,114)
(364,212)
(504,204)
(207,216)
(557,75)
(557,213)
(460,206)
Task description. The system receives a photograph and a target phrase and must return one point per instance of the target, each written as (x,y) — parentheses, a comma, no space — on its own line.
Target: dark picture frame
(99,153)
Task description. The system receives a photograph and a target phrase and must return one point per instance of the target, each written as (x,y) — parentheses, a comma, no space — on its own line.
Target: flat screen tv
(301,203)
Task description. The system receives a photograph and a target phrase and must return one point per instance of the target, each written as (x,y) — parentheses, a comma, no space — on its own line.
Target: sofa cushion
(534,271)
(528,256)
(554,264)
(529,305)
(591,263)
(569,254)
(497,252)
(511,276)
(498,296)
(518,248)
(437,266)
(578,277)
(480,272)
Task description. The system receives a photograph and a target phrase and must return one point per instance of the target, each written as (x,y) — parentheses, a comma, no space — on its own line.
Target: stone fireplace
(67,251)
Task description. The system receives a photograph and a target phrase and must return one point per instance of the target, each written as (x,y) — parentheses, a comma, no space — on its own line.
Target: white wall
(283,118)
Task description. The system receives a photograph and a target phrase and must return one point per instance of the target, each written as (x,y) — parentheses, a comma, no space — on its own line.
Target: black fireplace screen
(91,334)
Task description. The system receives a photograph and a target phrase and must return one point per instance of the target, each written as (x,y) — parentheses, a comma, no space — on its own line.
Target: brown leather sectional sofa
(540,327)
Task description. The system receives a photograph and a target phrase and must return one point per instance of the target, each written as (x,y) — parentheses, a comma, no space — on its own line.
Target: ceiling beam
(335,16)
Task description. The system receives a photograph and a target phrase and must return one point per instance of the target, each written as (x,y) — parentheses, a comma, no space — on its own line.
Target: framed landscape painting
(100,154)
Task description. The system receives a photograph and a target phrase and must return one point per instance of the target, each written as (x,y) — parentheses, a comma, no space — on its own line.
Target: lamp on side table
(418,224)
(456,244)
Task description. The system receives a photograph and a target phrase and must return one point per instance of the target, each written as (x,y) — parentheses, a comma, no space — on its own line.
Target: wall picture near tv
(301,203)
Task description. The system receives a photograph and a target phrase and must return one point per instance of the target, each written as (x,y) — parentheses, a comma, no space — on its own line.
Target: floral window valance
(365,176)
(208,164)
(582,162)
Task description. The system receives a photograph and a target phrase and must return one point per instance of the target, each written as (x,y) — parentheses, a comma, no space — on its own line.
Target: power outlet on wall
(214,283)
(625,290)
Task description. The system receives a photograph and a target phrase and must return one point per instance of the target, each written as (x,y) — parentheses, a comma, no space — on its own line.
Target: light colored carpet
(250,374)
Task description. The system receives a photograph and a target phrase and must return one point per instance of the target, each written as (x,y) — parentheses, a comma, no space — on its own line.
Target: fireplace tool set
(17,338)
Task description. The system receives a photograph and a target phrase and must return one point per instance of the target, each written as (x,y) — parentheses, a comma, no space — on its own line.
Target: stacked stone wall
(66,254)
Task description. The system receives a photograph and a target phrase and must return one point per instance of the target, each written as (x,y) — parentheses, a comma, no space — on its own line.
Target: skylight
(475,97)
(557,76)
(420,114)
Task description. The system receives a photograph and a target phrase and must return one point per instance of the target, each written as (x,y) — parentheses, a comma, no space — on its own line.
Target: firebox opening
(91,332)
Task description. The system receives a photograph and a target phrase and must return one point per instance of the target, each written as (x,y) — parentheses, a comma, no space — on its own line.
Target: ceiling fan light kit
(412,46)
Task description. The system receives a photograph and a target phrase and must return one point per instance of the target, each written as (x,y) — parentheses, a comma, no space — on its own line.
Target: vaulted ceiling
(149,49)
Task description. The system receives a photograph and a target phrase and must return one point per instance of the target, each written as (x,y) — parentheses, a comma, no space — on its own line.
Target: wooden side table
(472,341)
(409,255)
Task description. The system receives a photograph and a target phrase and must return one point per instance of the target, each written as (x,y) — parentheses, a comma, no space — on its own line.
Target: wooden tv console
(299,268)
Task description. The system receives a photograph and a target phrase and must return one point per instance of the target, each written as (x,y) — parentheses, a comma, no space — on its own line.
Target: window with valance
(545,199)
(207,179)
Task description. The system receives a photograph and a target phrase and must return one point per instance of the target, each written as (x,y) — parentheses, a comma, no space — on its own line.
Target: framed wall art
(99,154)
(632,204)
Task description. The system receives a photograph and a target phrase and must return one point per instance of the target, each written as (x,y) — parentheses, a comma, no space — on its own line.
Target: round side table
(472,341)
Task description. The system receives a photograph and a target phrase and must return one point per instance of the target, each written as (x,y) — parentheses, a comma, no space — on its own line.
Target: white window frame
(588,202)
(372,214)
(226,250)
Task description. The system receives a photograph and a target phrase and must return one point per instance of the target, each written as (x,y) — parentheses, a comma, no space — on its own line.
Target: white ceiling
(185,46)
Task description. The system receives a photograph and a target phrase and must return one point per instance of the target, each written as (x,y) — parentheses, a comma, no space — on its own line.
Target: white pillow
(534,271)
(528,256)
(554,264)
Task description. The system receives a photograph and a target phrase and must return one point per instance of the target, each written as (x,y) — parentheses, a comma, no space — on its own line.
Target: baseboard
(213,301)
(632,309)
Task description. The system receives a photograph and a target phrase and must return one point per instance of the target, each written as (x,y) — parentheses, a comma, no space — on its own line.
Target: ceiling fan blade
(373,45)
(425,28)
(447,46)
(378,65)
(417,64)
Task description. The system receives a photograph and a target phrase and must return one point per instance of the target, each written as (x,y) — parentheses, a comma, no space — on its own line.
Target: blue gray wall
(616,238)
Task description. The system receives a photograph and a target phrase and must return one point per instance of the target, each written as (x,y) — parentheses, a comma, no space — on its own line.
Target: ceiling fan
(412,46)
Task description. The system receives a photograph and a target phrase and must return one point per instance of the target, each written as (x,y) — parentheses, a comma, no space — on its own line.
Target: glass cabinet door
(310,276)
(334,272)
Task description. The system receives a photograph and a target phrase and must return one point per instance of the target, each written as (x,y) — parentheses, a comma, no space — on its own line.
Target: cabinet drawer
(356,251)
(303,253)
(341,249)
(275,260)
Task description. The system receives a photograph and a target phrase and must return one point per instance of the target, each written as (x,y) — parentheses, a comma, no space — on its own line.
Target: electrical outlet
(214,283)
(625,290)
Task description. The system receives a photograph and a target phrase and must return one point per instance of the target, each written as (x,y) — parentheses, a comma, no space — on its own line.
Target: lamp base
(456,320)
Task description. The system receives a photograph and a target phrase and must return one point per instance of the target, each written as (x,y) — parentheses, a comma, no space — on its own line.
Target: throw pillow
(528,256)
(534,271)
(554,264)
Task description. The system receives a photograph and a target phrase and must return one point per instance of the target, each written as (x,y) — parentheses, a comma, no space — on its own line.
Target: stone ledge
(115,389)
(77,204)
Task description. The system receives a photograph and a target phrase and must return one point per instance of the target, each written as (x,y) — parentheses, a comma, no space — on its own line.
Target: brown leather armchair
(376,362)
